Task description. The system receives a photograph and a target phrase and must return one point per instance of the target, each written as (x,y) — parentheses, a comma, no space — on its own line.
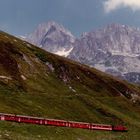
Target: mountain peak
(48,25)
(55,24)
(116,25)
(45,27)
(52,37)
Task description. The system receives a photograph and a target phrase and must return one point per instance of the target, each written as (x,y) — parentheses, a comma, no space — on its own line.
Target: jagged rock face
(53,38)
(114,49)
(132,77)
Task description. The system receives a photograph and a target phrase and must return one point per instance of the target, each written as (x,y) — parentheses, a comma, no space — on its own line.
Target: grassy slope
(46,92)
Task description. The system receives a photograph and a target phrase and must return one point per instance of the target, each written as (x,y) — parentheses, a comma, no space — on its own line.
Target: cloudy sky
(20,17)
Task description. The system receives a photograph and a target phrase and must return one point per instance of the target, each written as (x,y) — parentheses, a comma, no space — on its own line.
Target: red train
(60,123)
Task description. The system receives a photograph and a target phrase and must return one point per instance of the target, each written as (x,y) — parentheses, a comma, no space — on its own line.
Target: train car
(79,125)
(60,123)
(101,127)
(8,117)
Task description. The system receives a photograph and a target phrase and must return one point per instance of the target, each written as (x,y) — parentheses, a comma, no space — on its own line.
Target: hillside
(37,83)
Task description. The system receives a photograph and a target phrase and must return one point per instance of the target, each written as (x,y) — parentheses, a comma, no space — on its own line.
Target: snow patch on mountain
(124,54)
(22,37)
(102,67)
(64,52)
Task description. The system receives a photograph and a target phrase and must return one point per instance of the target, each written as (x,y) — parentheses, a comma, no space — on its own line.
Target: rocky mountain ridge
(114,49)
(52,37)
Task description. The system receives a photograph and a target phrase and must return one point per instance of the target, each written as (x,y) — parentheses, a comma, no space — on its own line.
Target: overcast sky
(20,17)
